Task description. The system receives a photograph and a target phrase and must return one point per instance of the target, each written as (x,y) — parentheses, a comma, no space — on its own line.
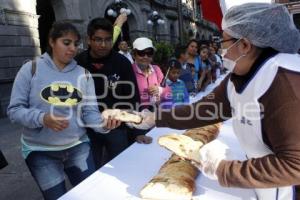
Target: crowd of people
(59,96)
(196,64)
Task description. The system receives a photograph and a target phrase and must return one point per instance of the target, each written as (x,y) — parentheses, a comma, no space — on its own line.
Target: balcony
(167,3)
(187,12)
(206,24)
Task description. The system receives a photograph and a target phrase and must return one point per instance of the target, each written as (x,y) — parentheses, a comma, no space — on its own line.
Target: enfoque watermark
(208,110)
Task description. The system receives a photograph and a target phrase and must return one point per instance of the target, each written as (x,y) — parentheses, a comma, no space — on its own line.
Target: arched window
(296,18)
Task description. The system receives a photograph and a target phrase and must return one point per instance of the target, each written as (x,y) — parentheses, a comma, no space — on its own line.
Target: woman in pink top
(149,77)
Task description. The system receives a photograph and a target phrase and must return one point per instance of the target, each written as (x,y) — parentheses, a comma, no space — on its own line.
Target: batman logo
(61,94)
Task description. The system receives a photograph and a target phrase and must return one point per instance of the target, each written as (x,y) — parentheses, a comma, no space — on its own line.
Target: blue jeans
(48,168)
(114,143)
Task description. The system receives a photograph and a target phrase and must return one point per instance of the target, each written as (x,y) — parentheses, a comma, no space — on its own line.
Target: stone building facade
(24,25)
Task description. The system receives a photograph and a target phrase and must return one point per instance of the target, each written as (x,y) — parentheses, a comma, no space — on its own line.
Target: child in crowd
(179,92)
(193,72)
(186,69)
(205,71)
(215,63)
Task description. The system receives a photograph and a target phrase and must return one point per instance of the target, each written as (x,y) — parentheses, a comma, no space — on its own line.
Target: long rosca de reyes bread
(204,134)
(174,181)
(176,178)
(188,145)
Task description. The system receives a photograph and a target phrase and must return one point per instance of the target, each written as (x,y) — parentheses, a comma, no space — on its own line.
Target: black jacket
(114,68)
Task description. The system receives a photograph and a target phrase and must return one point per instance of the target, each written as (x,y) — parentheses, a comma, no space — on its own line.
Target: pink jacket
(154,79)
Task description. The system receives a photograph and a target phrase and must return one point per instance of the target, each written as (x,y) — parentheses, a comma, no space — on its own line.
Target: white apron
(246,114)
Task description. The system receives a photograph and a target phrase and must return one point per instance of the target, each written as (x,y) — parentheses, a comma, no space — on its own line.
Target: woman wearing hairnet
(261,95)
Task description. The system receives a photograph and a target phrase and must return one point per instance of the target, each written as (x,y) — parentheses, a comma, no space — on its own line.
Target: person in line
(180,94)
(193,58)
(260,44)
(124,50)
(186,72)
(54,99)
(215,62)
(205,76)
(149,78)
(115,86)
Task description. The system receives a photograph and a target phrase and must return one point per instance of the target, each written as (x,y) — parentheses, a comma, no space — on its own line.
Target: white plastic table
(124,177)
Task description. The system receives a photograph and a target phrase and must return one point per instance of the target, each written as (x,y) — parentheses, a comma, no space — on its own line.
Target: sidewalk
(16,182)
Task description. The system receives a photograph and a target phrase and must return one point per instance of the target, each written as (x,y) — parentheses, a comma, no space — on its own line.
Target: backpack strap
(33,67)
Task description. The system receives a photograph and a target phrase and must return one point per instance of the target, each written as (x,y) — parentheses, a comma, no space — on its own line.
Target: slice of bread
(122,115)
(182,146)
(189,143)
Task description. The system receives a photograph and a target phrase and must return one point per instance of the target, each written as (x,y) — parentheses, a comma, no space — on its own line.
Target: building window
(296,18)
(197,36)
(172,34)
(191,33)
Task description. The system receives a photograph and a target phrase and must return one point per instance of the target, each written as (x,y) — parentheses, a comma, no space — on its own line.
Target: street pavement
(16,182)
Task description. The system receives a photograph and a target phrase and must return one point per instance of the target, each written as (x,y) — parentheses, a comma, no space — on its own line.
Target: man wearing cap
(261,95)
(115,85)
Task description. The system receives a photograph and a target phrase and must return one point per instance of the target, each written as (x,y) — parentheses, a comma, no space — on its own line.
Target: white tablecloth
(124,177)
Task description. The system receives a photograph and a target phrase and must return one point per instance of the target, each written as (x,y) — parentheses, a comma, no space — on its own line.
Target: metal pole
(155,31)
(180,21)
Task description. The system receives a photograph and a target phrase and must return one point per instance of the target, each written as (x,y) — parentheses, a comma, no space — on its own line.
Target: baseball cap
(142,43)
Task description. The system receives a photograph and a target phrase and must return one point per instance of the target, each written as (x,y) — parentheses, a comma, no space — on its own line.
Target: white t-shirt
(127,55)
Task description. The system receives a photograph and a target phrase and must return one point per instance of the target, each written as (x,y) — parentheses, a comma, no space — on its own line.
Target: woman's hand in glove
(211,155)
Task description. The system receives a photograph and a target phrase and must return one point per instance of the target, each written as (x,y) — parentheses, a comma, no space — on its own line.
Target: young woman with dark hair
(54,99)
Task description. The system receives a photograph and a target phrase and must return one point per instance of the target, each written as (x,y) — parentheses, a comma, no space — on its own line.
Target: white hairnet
(264,24)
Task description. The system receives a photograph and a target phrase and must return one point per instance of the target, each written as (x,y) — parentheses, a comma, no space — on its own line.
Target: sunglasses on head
(149,53)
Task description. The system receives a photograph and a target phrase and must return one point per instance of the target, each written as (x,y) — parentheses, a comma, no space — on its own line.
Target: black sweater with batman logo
(112,76)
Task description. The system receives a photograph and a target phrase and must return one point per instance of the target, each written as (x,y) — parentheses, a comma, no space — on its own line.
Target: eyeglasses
(106,41)
(225,50)
(231,39)
(149,53)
